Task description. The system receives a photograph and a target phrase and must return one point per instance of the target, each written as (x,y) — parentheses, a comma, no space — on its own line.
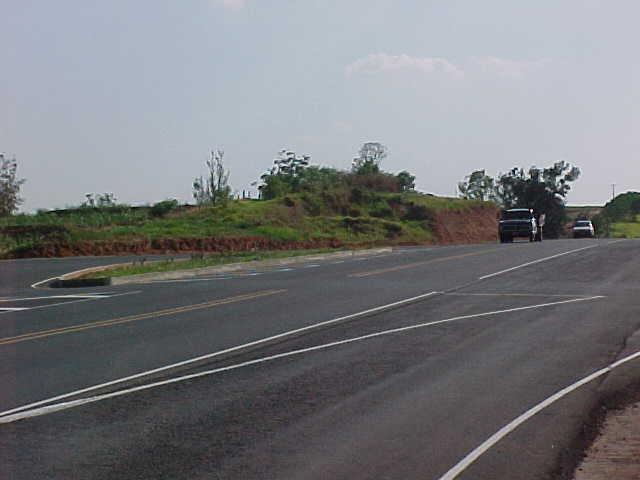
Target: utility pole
(613,191)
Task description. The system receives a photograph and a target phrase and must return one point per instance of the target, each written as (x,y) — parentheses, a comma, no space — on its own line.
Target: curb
(80,282)
(72,280)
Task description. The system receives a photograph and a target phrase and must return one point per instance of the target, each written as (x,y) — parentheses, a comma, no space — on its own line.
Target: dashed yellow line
(134,318)
(417,264)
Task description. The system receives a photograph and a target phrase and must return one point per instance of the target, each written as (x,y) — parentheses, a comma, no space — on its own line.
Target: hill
(332,219)
(620,218)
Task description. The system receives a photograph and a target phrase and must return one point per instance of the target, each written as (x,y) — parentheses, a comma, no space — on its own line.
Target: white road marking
(83,295)
(535,261)
(547,295)
(222,352)
(28,411)
(312,265)
(42,282)
(467,461)
(80,298)
(186,280)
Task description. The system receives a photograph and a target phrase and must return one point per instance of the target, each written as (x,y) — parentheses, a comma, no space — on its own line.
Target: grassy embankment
(620,218)
(295,222)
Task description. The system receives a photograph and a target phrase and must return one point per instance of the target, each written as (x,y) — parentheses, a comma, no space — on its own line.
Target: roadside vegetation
(620,218)
(541,189)
(301,206)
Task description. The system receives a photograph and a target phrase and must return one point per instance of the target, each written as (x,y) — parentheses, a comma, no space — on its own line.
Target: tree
(406,181)
(635,208)
(215,189)
(477,186)
(9,186)
(99,200)
(543,190)
(369,158)
(285,175)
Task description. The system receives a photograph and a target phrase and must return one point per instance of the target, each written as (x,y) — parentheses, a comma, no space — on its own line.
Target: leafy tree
(478,186)
(544,190)
(623,208)
(285,175)
(9,186)
(635,207)
(214,189)
(369,158)
(406,181)
(99,200)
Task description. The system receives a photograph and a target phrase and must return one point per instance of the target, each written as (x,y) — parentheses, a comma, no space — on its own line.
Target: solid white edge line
(467,461)
(219,353)
(81,299)
(86,295)
(9,416)
(484,277)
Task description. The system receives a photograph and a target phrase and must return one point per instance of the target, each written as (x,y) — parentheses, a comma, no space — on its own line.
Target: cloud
(383,63)
(231,4)
(375,63)
(504,67)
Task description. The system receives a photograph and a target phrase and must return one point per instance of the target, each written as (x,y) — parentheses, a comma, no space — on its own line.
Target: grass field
(626,229)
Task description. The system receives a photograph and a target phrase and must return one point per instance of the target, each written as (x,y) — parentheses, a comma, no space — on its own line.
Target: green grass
(374,218)
(207,261)
(625,229)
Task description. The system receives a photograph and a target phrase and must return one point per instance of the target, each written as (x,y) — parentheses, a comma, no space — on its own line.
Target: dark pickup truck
(520,223)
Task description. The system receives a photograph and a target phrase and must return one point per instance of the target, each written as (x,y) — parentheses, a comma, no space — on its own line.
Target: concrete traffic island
(79,278)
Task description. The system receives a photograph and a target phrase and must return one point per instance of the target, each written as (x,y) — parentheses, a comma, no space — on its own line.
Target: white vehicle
(583,228)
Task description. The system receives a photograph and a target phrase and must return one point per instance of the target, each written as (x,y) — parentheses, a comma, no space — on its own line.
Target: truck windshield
(516,215)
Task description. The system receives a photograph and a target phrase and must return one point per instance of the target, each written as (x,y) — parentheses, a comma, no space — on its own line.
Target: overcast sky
(129,96)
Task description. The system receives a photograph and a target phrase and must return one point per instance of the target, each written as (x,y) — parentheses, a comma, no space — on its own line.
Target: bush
(161,209)
(378,182)
(417,212)
(358,225)
(382,212)
(392,229)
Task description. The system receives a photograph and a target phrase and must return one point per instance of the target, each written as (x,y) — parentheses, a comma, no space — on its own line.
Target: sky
(129,97)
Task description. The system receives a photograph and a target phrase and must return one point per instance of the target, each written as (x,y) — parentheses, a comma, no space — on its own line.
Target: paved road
(467,339)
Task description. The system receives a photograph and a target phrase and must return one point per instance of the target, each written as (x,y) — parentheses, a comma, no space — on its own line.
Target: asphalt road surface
(425,363)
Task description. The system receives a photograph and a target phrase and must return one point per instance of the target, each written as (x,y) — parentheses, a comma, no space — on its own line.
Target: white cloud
(504,67)
(231,4)
(381,62)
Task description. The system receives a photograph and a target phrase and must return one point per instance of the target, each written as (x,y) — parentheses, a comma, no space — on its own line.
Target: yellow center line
(134,318)
(418,264)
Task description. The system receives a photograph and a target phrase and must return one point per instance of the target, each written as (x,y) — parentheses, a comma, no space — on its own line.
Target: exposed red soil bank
(448,227)
(172,245)
(474,226)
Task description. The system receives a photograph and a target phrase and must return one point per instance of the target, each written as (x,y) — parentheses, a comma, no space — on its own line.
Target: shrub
(392,229)
(379,182)
(417,212)
(161,209)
